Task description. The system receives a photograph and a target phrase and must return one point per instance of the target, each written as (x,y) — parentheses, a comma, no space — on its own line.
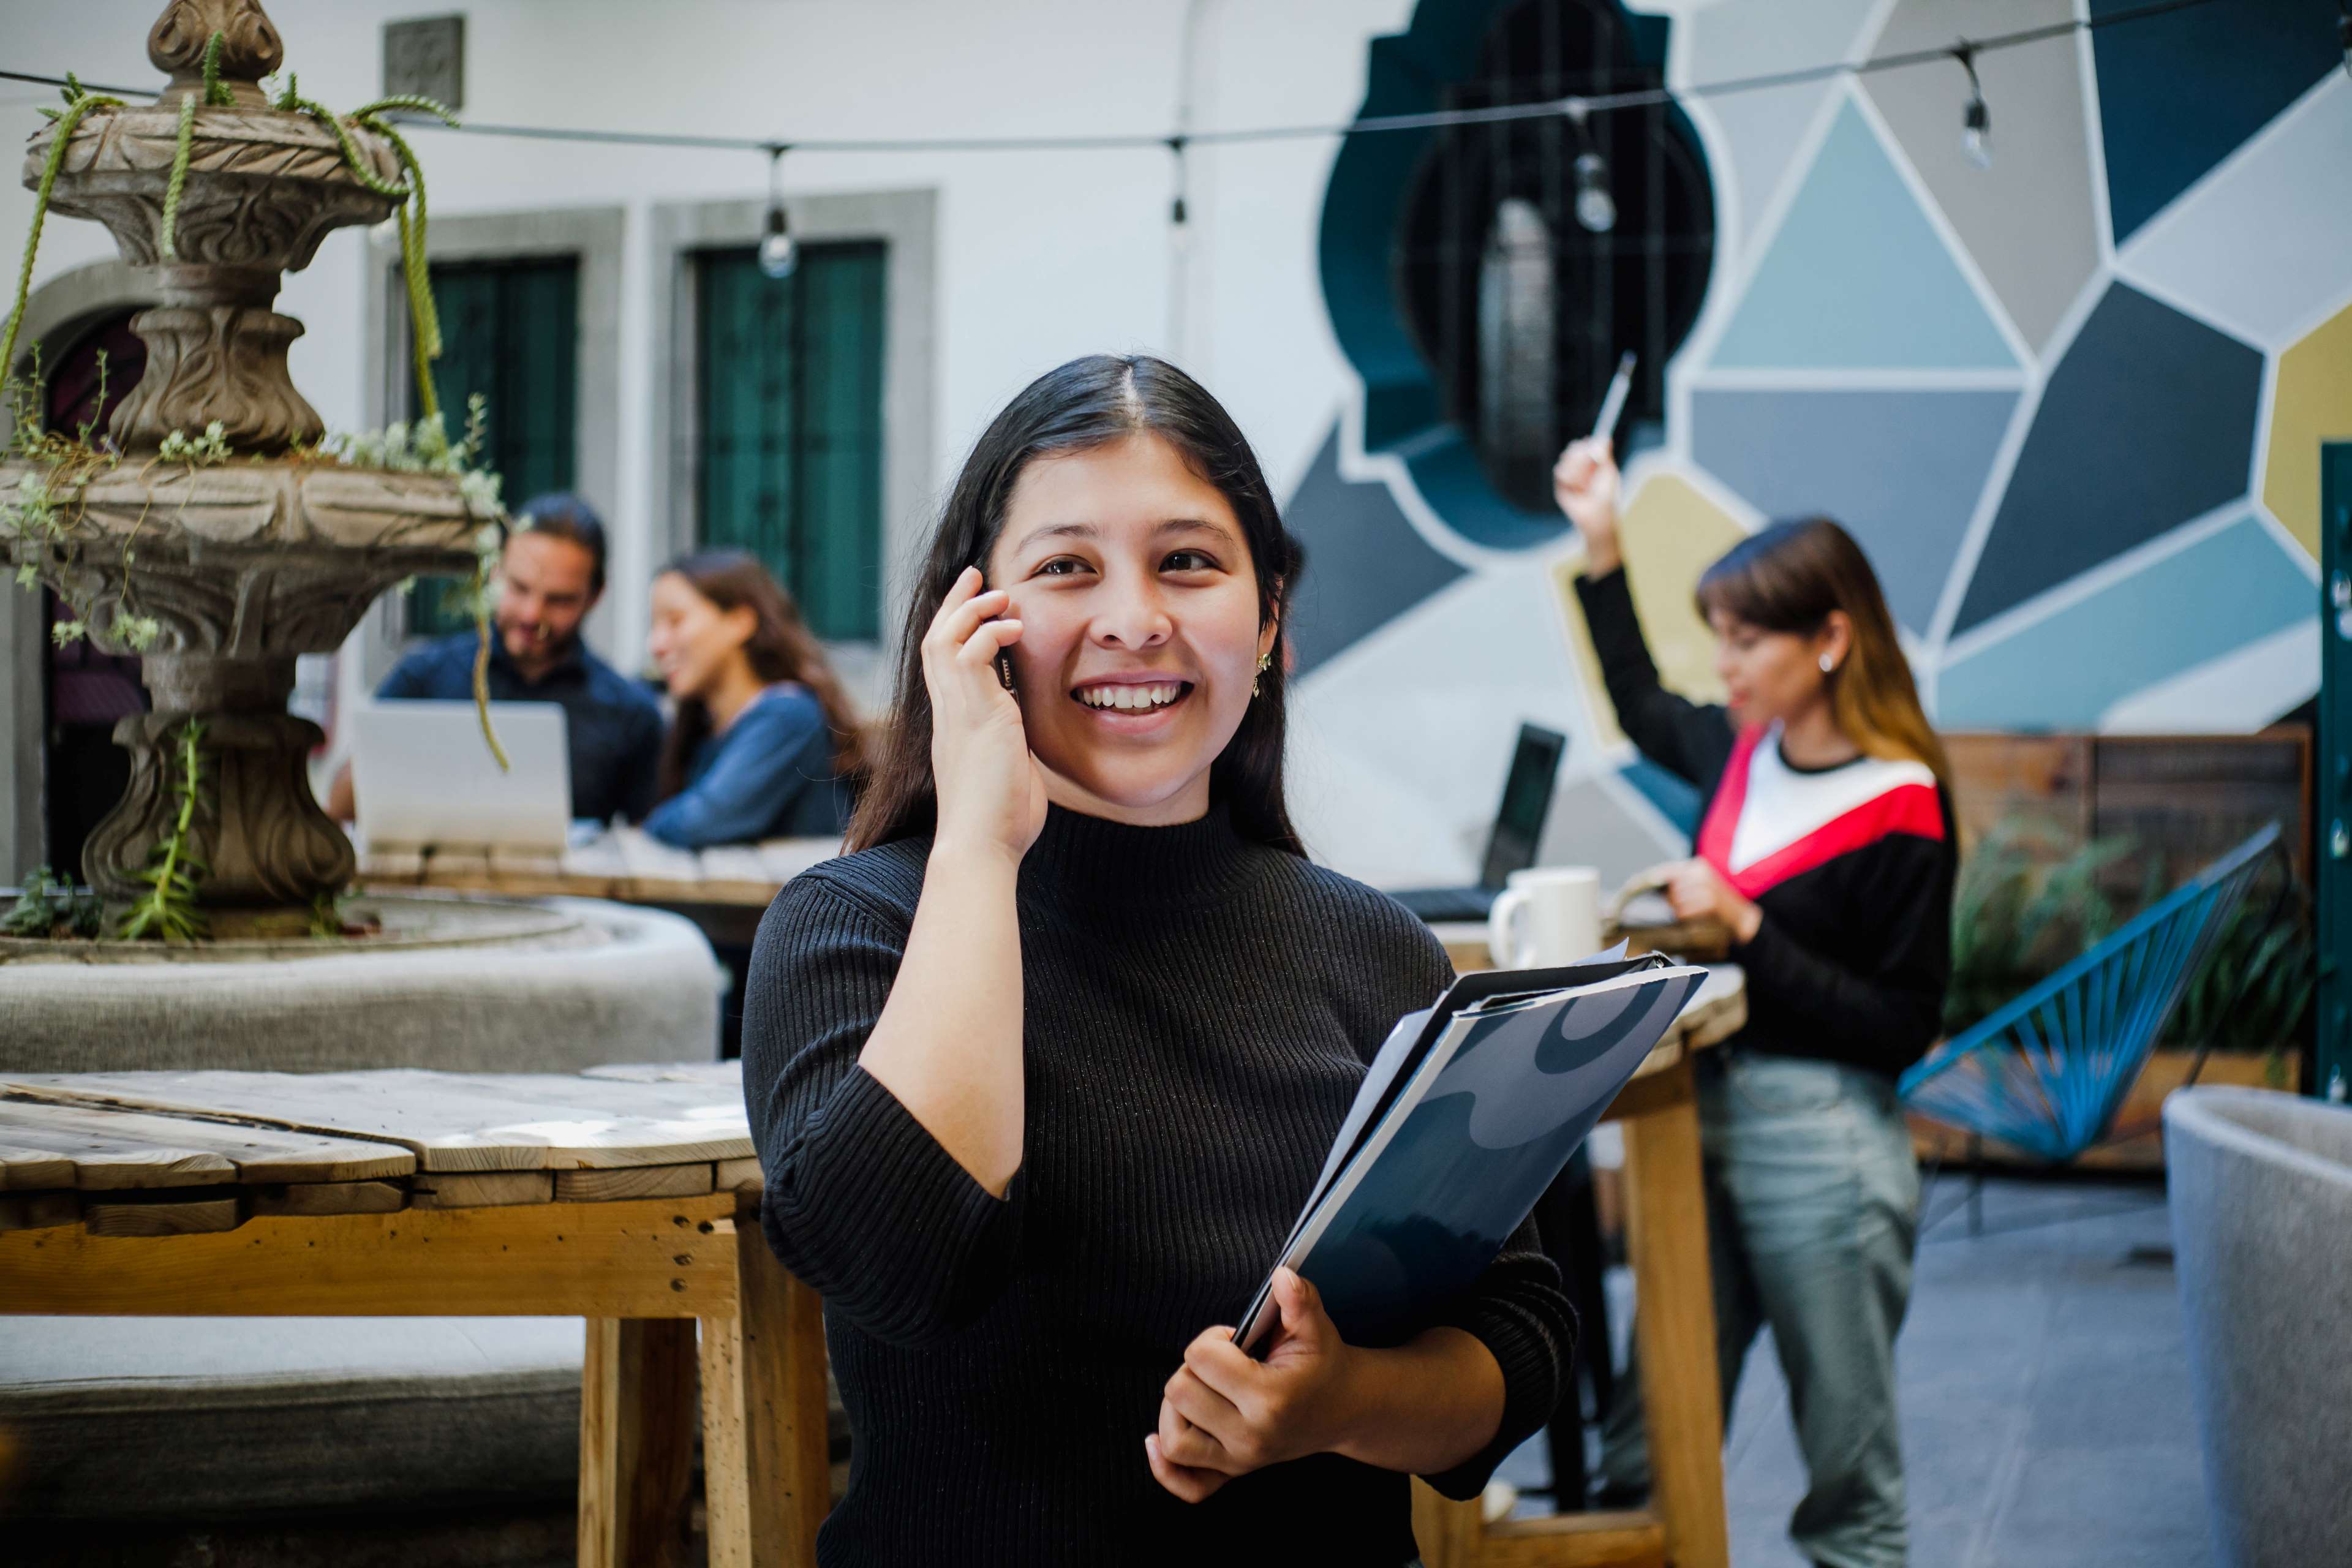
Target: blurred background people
(764,742)
(1828,850)
(551,574)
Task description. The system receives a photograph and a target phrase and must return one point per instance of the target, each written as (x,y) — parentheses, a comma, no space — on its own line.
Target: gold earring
(1257,681)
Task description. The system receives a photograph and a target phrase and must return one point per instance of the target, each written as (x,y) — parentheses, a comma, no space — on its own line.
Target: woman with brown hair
(764,744)
(1827,848)
(1040,1075)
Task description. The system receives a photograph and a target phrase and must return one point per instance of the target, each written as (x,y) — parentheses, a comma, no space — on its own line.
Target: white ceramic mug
(1546,915)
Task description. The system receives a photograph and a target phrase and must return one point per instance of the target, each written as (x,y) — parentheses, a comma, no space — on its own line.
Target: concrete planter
(2262,1224)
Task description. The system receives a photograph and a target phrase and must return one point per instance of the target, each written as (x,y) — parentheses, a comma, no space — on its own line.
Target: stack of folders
(1468,1112)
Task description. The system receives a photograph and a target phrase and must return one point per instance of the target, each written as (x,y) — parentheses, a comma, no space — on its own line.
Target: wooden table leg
(766,1477)
(1673,1312)
(637,1442)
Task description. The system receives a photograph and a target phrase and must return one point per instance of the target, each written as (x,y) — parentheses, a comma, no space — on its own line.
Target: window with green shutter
(790,415)
(509,331)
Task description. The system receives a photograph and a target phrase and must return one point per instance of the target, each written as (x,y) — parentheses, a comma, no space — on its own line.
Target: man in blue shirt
(550,574)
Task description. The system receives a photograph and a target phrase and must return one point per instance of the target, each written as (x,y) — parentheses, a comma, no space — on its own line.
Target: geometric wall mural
(2311,402)
(1364,562)
(1857,277)
(2067,670)
(1901,470)
(2179,93)
(2147,422)
(2028,222)
(2071,403)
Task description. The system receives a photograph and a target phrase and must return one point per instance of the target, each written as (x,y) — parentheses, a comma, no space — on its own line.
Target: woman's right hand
(1584,482)
(992,793)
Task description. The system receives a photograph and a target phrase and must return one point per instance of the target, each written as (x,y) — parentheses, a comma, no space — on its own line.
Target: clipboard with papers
(1469,1110)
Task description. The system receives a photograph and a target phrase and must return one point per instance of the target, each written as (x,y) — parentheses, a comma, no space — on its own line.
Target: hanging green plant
(214,96)
(79,103)
(167,910)
(424,318)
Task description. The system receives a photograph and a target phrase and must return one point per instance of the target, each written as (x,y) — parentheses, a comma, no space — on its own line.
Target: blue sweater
(768,775)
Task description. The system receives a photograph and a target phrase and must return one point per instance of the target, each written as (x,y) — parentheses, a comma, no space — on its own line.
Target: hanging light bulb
(1976,120)
(1179,217)
(1596,209)
(779,253)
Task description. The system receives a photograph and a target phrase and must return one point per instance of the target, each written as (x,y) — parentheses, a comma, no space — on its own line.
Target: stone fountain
(232,565)
(245,563)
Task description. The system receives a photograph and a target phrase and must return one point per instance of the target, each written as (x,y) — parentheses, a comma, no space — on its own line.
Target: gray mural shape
(1365,563)
(2147,422)
(1902,470)
(2027,221)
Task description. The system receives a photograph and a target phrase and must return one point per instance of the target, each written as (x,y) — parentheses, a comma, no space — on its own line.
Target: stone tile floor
(2046,1414)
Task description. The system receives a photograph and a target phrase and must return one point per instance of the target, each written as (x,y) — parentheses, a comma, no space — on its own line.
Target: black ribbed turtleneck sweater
(1198,1013)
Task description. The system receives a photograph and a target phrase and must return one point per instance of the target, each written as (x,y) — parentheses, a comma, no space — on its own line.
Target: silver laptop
(423,775)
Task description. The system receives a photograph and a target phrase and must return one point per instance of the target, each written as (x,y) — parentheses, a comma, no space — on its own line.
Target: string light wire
(1434,119)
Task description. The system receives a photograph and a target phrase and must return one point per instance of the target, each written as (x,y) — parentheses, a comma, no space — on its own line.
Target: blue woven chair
(2047,1073)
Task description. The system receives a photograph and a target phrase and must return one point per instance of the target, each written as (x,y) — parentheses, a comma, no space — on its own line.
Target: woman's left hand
(1697,891)
(1224,1414)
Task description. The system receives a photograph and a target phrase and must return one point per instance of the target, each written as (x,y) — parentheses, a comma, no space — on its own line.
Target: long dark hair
(1788,578)
(1084,403)
(781,647)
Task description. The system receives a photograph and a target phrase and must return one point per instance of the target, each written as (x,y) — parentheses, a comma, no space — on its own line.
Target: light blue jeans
(1812,1200)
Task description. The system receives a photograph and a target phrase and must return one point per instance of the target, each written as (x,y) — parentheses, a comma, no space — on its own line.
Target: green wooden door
(790,405)
(509,331)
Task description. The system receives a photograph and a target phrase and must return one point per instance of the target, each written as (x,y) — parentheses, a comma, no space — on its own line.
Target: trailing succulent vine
(214,96)
(50,906)
(79,101)
(167,910)
(425,322)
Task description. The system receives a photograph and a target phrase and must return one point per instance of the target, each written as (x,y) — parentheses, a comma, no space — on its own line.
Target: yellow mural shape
(1672,533)
(2314,404)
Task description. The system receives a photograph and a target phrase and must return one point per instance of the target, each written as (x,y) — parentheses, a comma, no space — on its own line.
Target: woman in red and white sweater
(1829,851)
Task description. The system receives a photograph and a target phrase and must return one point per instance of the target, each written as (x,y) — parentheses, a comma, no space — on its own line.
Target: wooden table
(724,890)
(630,1204)
(1673,1314)
(628,1196)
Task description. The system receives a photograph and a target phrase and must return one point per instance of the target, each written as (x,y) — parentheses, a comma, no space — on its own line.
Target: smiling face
(694,642)
(546,588)
(1139,604)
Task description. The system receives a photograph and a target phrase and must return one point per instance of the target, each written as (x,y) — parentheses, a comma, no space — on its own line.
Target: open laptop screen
(1527,802)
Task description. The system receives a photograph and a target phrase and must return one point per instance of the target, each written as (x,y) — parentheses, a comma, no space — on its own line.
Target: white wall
(1041,255)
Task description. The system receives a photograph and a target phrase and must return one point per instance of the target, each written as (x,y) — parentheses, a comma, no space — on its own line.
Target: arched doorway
(84,691)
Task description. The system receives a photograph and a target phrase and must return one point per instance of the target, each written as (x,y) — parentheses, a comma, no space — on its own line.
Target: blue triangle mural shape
(1857,279)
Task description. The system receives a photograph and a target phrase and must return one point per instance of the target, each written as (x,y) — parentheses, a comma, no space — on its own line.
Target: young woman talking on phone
(1827,847)
(1042,1073)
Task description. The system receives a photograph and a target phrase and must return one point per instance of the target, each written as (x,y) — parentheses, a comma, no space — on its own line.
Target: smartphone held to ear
(1004,667)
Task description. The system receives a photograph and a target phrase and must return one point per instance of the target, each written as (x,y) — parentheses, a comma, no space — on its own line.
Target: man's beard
(540,646)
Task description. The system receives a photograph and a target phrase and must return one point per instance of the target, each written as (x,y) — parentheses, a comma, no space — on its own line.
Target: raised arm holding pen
(1827,847)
